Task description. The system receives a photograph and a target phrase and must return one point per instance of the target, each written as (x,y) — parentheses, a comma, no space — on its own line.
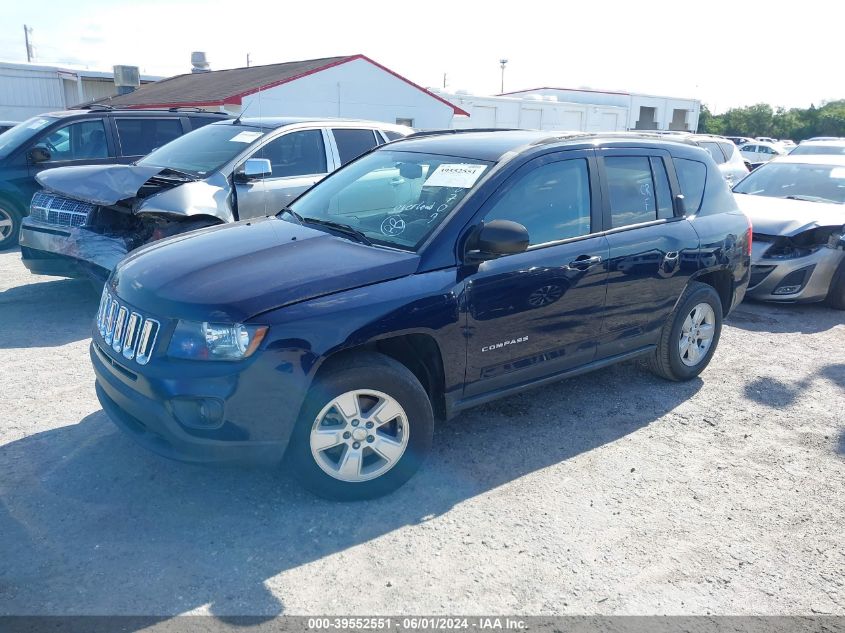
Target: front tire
(10,226)
(836,294)
(690,335)
(365,428)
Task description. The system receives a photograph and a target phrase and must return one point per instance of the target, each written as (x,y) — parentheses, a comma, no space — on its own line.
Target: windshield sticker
(393,225)
(455,175)
(38,124)
(246,137)
(837,172)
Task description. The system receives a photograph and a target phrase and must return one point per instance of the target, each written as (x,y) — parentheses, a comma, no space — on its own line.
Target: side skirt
(483,398)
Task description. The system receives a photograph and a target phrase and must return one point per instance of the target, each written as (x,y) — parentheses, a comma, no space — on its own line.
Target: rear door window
(352,143)
(139,136)
(636,193)
(300,153)
(691,176)
(714,150)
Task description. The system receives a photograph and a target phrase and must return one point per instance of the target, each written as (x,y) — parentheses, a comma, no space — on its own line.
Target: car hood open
(779,216)
(231,273)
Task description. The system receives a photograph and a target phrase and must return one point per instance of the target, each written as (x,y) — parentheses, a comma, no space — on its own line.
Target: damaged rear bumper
(69,252)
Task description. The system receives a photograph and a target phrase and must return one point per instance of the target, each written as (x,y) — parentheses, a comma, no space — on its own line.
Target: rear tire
(363,431)
(10,226)
(690,335)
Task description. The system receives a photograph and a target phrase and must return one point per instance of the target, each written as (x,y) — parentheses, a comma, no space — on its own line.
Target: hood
(233,272)
(97,184)
(778,216)
(146,188)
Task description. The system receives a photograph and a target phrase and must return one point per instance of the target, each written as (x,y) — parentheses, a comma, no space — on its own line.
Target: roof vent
(126,79)
(199,62)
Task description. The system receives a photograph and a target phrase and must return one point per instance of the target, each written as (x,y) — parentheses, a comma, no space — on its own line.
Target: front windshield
(817,183)
(818,150)
(11,139)
(393,197)
(204,150)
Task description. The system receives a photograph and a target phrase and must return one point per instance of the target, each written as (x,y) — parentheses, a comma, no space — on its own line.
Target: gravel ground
(611,493)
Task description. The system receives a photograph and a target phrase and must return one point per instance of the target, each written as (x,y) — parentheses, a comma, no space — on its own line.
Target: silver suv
(86,219)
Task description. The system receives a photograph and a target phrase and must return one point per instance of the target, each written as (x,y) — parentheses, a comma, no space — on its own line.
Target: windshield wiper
(810,198)
(292,213)
(340,228)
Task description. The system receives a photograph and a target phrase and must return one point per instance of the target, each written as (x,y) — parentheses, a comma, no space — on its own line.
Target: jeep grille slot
(127,332)
(52,209)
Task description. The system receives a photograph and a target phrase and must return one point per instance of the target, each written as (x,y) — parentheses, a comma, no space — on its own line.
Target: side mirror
(39,154)
(254,168)
(496,238)
(679,205)
(840,243)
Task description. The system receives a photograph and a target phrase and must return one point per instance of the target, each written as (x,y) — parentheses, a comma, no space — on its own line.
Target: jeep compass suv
(428,276)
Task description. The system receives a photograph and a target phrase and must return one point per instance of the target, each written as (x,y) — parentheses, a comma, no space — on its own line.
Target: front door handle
(585,261)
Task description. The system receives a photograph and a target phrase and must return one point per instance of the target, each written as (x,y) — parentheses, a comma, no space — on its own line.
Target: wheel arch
(721,280)
(418,351)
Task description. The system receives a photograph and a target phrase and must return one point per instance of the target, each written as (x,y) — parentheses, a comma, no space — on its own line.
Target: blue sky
(726,53)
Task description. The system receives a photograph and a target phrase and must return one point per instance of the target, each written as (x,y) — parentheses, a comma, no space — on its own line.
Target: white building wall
(27,90)
(536,112)
(631,102)
(665,107)
(357,90)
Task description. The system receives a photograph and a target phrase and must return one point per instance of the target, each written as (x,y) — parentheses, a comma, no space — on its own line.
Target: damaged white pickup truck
(86,219)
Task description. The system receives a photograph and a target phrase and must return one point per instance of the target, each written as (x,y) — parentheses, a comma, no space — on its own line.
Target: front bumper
(254,429)
(47,249)
(811,274)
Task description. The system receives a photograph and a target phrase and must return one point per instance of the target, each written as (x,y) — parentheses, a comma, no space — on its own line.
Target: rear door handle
(585,261)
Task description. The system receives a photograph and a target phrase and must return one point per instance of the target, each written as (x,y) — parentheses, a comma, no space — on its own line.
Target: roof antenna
(242,112)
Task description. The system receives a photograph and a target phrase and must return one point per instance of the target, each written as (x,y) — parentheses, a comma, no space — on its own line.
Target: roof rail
(194,109)
(461,131)
(95,106)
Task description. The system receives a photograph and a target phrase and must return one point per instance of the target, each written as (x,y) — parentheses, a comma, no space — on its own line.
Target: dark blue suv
(430,275)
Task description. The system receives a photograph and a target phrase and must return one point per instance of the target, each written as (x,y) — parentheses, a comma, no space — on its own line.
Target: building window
(647,119)
(679,120)
(401,121)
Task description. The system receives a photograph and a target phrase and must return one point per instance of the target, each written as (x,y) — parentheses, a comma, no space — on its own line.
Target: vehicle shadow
(94,524)
(778,394)
(807,318)
(47,313)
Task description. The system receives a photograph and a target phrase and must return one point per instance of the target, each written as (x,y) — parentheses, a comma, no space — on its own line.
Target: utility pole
(444,80)
(503,62)
(27,32)
(247,60)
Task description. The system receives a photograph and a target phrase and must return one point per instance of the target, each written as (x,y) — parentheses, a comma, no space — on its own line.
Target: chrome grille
(52,209)
(127,332)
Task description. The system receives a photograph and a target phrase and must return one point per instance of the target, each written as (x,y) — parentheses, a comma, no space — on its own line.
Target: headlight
(790,251)
(215,341)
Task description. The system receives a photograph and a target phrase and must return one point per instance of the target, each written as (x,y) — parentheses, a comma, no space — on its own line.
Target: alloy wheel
(697,334)
(6,224)
(359,435)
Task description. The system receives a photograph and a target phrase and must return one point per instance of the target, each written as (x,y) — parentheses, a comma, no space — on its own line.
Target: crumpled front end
(70,238)
(796,268)
(87,220)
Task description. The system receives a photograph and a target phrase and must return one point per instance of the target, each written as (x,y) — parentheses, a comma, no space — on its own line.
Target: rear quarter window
(692,176)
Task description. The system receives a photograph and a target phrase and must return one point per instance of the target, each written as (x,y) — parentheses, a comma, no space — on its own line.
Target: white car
(758,152)
(834,147)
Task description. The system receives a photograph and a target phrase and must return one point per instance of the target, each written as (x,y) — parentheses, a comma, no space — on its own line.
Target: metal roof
(222,87)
